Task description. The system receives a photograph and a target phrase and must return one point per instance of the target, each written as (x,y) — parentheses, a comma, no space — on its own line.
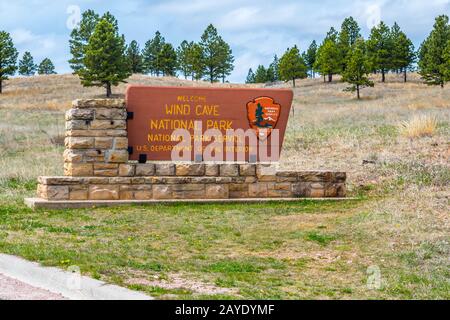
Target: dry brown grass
(418,126)
(56,92)
(402,227)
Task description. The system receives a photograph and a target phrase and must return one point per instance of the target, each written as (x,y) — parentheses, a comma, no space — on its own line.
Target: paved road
(12,289)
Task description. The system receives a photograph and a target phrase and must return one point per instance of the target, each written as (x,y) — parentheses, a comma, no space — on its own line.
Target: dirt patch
(180,281)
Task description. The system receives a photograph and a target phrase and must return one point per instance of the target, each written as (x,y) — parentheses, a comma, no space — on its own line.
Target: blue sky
(255,29)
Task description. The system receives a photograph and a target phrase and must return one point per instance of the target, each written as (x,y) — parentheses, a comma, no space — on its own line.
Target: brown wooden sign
(158,111)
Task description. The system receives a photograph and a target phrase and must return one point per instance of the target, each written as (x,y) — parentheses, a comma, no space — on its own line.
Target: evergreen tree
(270,74)
(79,36)
(8,57)
(183,58)
(350,32)
(261,74)
(310,57)
(217,56)
(196,61)
(433,64)
(226,59)
(403,54)
(292,66)
(105,63)
(46,67)
(358,68)
(151,53)
(447,62)
(328,61)
(134,57)
(250,76)
(168,60)
(379,48)
(275,67)
(26,65)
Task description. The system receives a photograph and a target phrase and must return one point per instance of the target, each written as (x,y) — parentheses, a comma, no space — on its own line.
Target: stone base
(162,181)
(37,203)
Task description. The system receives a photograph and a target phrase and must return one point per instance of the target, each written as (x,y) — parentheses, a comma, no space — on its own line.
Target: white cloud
(255,29)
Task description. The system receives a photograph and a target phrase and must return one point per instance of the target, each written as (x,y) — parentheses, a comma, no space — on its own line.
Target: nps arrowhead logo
(263,114)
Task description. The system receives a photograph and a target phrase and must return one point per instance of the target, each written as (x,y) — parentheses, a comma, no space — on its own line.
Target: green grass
(257,251)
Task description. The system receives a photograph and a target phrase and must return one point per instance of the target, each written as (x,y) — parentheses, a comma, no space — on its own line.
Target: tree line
(25,66)
(97,40)
(347,53)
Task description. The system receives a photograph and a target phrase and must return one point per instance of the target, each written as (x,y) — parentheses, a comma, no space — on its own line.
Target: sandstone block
(247,170)
(108,124)
(79,142)
(189,169)
(60,180)
(57,192)
(104,166)
(96,133)
(215,191)
(145,169)
(116,156)
(165,169)
(126,170)
(98,103)
(121,143)
(78,169)
(229,170)
(78,193)
(77,124)
(79,114)
(105,173)
(103,192)
(300,189)
(119,180)
(110,114)
(256,190)
(104,142)
(162,192)
(211,170)
(71,155)
(317,193)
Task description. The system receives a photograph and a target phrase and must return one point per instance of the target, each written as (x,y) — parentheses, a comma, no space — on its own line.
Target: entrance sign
(157,112)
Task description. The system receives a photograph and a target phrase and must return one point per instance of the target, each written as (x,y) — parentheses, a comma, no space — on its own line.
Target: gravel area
(12,289)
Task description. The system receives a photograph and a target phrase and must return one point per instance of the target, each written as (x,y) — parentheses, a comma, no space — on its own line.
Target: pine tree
(26,65)
(46,67)
(134,57)
(270,74)
(433,64)
(292,66)
(8,57)
(226,59)
(217,55)
(183,58)
(379,48)
(250,76)
(261,74)
(196,61)
(403,54)
(104,63)
(310,57)
(275,67)
(447,62)
(350,32)
(167,59)
(151,52)
(328,61)
(79,36)
(358,68)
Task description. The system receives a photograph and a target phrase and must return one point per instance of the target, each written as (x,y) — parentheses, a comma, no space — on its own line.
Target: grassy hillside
(394,144)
